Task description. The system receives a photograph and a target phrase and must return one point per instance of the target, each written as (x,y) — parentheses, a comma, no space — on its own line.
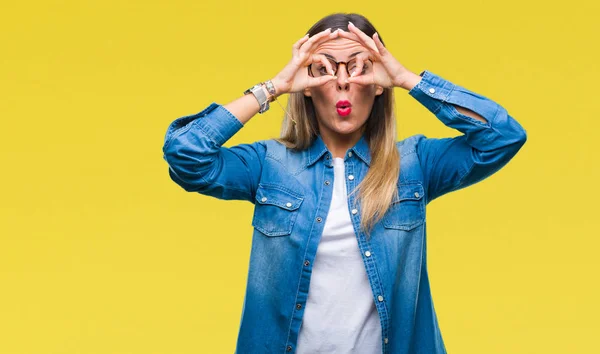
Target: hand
(294,76)
(387,71)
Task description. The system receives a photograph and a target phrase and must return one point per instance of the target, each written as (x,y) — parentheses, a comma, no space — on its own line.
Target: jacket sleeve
(199,163)
(450,164)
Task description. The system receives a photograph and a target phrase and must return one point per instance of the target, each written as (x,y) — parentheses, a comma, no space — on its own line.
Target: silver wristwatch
(261,97)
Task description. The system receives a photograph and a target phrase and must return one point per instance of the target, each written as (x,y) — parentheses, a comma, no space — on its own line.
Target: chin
(346,130)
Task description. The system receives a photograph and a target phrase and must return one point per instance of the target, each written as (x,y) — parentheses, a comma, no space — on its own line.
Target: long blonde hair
(378,188)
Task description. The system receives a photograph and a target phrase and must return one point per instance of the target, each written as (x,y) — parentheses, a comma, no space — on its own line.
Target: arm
(411,80)
(193,144)
(199,163)
(491,137)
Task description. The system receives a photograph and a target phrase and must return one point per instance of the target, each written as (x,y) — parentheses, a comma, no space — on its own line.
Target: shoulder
(410,163)
(276,149)
(410,144)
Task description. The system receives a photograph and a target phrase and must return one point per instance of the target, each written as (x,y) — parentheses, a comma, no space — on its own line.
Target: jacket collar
(318,148)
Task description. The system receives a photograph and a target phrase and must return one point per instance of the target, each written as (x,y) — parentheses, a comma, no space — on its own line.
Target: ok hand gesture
(387,71)
(294,76)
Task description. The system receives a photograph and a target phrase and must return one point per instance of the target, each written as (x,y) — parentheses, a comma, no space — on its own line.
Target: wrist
(278,87)
(267,93)
(407,80)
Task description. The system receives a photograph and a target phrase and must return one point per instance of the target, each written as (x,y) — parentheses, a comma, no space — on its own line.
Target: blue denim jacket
(292,191)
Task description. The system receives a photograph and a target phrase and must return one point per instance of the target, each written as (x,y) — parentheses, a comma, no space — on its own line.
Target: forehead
(340,48)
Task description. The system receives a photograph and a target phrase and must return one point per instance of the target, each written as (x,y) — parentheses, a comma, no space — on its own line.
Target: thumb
(360,79)
(318,81)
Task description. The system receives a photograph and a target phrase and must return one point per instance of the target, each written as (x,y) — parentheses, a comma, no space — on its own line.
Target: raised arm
(491,137)
(193,144)
(199,163)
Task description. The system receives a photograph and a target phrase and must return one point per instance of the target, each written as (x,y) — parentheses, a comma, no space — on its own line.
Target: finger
(361,80)
(300,41)
(298,44)
(378,43)
(318,81)
(327,64)
(366,39)
(354,37)
(349,35)
(318,58)
(359,66)
(317,39)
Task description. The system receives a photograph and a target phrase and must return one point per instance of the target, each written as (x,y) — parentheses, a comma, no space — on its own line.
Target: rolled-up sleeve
(199,163)
(449,164)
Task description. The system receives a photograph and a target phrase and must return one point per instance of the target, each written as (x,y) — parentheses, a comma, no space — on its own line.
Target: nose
(342,75)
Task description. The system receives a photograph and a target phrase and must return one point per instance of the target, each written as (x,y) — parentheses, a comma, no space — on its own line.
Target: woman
(338,259)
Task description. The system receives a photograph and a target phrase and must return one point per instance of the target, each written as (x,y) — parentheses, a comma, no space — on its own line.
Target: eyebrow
(332,57)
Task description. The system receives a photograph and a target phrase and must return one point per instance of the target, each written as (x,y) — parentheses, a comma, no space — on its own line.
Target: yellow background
(100,252)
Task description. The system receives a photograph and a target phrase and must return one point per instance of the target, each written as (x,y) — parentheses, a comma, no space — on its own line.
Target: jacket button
(385,340)
(263,199)
(319,219)
(306,263)
(351,177)
(288,205)
(368,254)
(327,183)
(350,154)
(289,348)
(298,306)
(432,90)
(416,194)
(380,298)
(354,211)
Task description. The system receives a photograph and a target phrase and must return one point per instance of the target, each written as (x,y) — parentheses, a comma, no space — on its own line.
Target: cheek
(362,103)
(323,95)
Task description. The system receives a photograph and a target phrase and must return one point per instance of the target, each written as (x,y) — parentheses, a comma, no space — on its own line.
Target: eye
(353,66)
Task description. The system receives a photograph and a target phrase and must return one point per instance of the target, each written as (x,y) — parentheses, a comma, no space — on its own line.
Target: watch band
(260,96)
(271,88)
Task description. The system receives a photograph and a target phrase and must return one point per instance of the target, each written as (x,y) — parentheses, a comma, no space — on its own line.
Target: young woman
(338,259)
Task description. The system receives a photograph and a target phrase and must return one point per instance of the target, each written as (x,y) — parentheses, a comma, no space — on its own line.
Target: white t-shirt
(340,315)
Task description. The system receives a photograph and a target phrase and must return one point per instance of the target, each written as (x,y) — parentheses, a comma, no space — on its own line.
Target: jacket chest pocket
(407,210)
(276,210)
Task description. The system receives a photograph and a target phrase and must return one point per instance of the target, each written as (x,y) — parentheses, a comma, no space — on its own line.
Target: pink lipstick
(344,107)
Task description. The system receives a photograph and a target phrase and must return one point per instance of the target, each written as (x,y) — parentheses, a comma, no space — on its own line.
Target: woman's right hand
(294,76)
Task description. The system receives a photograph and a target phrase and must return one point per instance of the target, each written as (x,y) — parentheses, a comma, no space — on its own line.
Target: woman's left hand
(387,71)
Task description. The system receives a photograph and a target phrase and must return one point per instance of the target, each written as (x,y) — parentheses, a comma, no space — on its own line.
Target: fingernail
(353,73)
(346,81)
(329,29)
(351,23)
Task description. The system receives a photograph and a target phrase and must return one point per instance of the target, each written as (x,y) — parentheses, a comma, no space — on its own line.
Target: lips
(343,104)
(343,107)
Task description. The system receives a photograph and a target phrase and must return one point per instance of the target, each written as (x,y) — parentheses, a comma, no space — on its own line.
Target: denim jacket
(292,190)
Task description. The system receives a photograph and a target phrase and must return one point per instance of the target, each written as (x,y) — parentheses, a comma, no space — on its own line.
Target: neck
(338,144)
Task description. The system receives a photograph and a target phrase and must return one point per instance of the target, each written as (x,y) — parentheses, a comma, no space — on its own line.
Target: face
(333,122)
